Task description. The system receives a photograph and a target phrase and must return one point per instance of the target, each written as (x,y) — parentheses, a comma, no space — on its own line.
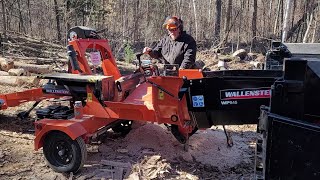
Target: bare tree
(254,19)
(217,20)
(309,23)
(195,17)
(141,20)
(286,20)
(298,24)
(275,27)
(21,23)
(57,19)
(227,21)
(4,18)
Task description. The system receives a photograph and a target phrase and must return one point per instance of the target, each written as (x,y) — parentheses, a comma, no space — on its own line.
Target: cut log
(241,53)
(5,64)
(40,60)
(4,73)
(17,72)
(33,68)
(19,80)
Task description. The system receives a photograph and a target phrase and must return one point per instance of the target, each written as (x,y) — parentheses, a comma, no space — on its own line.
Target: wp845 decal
(231,96)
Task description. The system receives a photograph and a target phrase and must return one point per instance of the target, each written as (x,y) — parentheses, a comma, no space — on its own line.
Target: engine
(55,112)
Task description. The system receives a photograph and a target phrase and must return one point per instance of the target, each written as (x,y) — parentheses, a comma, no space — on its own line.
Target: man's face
(174,33)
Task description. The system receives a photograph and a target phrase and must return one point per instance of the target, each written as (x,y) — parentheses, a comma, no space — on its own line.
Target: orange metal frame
(17,98)
(145,103)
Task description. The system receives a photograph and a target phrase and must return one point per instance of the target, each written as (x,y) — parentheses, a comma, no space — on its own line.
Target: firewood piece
(116,164)
(19,80)
(5,64)
(4,73)
(17,72)
(33,68)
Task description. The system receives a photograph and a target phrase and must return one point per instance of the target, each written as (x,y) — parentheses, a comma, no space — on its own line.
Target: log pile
(24,58)
(15,73)
(30,47)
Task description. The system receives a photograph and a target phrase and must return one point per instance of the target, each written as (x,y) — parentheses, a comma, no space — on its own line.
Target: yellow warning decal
(161,95)
(89,97)
(93,79)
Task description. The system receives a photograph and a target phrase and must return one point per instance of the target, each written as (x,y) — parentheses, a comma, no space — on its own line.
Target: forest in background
(213,23)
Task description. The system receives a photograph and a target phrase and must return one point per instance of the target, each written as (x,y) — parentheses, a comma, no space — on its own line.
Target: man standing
(177,47)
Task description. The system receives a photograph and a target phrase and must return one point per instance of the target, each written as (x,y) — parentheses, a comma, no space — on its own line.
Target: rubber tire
(78,147)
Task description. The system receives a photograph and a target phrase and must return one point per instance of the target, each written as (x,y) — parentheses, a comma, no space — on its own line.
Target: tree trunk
(301,21)
(209,12)
(315,27)
(254,19)
(4,18)
(125,20)
(228,18)
(136,21)
(56,10)
(269,16)
(293,15)
(217,20)
(242,5)
(195,17)
(21,23)
(306,34)
(286,20)
(179,3)
(275,27)
(68,14)
(29,14)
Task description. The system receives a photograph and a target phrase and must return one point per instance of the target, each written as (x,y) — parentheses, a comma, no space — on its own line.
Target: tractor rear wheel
(63,154)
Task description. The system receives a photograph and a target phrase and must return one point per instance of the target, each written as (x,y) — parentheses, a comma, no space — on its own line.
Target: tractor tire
(123,127)
(63,154)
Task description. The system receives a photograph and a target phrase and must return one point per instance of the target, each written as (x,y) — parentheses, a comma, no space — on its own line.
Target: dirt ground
(149,151)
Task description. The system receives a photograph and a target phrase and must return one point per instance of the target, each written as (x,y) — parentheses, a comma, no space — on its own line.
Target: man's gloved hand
(146,50)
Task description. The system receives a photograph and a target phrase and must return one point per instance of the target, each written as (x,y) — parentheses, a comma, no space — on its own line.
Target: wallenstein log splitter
(185,101)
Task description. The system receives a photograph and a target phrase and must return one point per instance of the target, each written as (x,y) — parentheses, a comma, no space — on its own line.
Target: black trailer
(284,103)
(290,128)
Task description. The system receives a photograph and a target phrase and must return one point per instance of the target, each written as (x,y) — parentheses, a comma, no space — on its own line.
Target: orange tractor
(184,100)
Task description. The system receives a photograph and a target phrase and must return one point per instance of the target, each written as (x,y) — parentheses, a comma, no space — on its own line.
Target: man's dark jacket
(181,51)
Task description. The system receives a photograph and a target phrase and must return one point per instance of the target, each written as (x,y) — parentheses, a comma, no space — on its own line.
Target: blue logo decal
(198,101)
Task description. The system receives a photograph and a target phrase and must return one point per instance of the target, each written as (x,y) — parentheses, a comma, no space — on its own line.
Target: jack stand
(25,114)
(186,145)
(229,138)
